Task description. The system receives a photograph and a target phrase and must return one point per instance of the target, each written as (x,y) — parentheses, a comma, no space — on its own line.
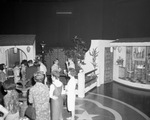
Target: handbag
(30,112)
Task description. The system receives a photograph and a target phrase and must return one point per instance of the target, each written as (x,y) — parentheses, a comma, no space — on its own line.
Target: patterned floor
(113,102)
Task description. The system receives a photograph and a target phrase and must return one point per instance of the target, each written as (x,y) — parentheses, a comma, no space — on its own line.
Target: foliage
(119,61)
(77,52)
(94,55)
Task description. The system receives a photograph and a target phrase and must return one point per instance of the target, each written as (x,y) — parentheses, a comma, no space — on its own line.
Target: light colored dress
(70,64)
(14,116)
(55,67)
(3,76)
(71,94)
(44,69)
(16,71)
(39,96)
(12,105)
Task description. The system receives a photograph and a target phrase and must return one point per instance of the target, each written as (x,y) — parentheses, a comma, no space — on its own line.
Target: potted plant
(94,55)
(120,61)
(22,86)
(77,52)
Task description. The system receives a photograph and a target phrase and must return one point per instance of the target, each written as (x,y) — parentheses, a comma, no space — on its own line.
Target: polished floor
(113,101)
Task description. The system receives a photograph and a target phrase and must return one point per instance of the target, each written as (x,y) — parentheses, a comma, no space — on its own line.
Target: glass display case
(138,64)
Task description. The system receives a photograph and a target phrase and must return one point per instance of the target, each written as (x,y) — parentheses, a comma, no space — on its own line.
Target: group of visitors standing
(47,100)
(57,89)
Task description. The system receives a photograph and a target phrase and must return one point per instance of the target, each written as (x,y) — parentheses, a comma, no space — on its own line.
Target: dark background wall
(126,19)
(90,19)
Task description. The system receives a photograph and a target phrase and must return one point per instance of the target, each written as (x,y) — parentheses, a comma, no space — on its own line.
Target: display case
(136,66)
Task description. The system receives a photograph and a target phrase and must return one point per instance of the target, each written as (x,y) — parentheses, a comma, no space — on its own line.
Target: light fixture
(28,49)
(43,45)
(139,49)
(15,49)
(64,12)
(111,49)
(119,49)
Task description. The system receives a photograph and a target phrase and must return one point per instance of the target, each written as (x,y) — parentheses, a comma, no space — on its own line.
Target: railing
(86,82)
(90,72)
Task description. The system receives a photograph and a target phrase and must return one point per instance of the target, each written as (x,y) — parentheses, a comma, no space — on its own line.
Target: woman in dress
(70,64)
(56,96)
(3,75)
(39,97)
(55,66)
(71,93)
(11,101)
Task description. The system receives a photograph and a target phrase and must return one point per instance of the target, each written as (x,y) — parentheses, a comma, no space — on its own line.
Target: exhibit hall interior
(75,60)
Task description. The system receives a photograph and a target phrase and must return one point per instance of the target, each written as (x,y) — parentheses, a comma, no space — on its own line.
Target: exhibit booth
(15,48)
(98,68)
(131,64)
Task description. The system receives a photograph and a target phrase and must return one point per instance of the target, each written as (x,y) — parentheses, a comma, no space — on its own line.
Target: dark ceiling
(42,1)
(39,0)
(88,19)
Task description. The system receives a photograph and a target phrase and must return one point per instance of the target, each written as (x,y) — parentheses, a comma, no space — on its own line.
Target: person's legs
(72,115)
(61,108)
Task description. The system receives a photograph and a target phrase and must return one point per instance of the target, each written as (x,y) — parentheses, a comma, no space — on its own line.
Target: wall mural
(139,53)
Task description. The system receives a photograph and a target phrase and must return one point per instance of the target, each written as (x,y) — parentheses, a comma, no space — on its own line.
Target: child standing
(71,93)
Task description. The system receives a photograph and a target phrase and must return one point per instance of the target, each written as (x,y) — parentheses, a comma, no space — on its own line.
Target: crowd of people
(46,99)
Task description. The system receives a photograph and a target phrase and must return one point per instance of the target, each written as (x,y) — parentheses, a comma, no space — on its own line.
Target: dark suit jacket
(30,72)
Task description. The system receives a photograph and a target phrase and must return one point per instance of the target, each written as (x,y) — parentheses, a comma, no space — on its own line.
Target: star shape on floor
(85,116)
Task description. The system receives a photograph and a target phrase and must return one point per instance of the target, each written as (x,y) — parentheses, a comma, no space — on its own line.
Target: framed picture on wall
(139,53)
